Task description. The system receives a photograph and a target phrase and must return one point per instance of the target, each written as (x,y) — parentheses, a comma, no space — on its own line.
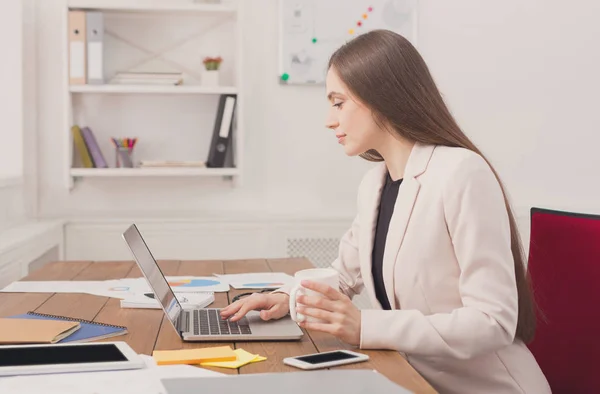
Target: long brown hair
(386,72)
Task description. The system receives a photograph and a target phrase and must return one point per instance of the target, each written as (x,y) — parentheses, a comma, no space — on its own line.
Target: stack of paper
(187,301)
(148,78)
(171,163)
(243,358)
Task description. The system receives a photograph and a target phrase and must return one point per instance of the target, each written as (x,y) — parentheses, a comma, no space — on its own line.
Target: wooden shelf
(156,7)
(153,172)
(152,89)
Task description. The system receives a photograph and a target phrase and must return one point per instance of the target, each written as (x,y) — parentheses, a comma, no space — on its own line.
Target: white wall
(17,113)
(520,76)
(11,100)
(12,210)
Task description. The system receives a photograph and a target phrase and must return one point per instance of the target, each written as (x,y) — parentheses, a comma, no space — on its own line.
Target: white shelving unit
(131,89)
(155,6)
(169,120)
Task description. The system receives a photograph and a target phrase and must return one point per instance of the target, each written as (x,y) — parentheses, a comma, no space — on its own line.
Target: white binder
(77,47)
(95,47)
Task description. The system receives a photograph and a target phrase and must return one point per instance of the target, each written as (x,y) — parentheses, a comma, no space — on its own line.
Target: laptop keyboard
(209,322)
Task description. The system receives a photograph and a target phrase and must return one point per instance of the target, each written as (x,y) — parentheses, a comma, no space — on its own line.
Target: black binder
(223,131)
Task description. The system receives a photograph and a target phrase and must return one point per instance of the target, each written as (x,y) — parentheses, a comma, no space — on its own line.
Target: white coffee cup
(328,276)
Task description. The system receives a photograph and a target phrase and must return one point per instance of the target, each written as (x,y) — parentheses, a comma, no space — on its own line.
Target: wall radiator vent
(321,252)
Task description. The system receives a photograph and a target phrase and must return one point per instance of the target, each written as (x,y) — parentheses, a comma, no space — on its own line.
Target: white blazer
(448,273)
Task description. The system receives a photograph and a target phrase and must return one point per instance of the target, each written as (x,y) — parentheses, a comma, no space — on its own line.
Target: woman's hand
(340,317)
(271,306)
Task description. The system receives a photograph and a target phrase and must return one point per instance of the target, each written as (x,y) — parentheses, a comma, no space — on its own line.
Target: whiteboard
(311,30)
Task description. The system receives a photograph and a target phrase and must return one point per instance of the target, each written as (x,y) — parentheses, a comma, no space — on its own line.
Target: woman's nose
(332,124)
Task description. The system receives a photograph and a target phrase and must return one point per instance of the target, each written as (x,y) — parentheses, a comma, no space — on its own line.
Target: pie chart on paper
(193,283)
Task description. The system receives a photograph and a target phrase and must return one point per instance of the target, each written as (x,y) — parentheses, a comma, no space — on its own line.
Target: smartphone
(325,359)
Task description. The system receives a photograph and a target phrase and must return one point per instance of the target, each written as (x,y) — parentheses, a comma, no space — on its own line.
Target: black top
(386,209)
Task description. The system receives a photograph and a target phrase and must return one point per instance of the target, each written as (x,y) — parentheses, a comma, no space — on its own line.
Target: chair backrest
(564,264)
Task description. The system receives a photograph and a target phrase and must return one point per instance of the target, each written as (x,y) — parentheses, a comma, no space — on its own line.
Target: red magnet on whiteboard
(359,23)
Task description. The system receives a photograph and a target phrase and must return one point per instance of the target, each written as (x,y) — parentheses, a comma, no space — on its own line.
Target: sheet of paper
(187,301)
(121,288)
(56,286)
(117,288)
(243,358)
(197,283)
(142,381)
(258,280)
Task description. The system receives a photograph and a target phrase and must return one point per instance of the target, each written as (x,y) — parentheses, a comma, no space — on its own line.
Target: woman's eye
(339,105)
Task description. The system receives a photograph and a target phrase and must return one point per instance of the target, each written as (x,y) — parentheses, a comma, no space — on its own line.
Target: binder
(93,148)
(81,147)
(77,48)
(88,330)
(222,133)
(95,47)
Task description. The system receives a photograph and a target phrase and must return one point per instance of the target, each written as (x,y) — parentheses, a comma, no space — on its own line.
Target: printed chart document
(258,280)
(187,301)
(188,284)
(119,288)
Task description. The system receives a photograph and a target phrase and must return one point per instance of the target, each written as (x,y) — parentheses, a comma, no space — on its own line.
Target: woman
(434,242)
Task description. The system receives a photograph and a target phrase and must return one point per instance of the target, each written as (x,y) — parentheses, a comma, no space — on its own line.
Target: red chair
(564,264)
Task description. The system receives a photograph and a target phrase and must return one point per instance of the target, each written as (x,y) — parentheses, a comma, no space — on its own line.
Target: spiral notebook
(89,330)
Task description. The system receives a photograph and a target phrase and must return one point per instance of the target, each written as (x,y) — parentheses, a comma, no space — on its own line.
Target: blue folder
(89,330)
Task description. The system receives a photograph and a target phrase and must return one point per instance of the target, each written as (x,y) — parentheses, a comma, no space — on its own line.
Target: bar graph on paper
(311,30)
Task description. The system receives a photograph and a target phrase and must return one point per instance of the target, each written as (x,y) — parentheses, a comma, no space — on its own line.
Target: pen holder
(123,157)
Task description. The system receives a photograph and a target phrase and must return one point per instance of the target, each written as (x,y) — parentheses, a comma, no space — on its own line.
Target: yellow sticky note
(194,356)
(243,358)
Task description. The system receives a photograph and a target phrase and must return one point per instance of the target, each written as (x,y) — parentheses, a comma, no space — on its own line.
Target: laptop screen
(153,274)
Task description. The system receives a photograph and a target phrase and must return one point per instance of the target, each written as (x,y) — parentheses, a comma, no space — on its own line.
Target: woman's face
(352,121)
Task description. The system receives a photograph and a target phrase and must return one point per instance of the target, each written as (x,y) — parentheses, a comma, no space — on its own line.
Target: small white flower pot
(210,77)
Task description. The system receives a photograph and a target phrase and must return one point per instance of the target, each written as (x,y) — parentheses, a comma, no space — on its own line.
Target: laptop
(349,381)
(204,324)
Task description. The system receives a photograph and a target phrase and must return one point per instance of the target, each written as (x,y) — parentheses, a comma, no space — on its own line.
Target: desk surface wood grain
(148,329)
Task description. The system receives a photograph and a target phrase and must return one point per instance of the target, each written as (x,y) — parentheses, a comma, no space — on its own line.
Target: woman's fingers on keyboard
(254,302)
(231,309)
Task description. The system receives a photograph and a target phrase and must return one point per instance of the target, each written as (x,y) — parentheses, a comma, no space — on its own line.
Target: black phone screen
(325,357)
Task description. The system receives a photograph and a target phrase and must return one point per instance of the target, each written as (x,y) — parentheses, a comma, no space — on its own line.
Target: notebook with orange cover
(23,331)
(194,356)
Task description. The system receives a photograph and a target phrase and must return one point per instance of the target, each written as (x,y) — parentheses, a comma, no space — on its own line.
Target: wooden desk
(148,330)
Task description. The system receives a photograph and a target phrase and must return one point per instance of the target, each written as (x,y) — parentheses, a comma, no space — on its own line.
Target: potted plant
(210,75)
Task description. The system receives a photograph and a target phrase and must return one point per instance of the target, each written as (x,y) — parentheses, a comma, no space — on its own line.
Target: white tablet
(69,357)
